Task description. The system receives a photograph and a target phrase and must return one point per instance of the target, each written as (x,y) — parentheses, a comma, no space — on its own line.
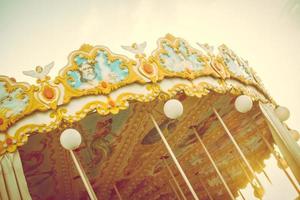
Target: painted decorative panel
(12,102)
(181,59)
(90,72)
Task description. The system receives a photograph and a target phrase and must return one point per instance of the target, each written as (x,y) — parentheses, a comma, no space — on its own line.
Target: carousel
(186,122)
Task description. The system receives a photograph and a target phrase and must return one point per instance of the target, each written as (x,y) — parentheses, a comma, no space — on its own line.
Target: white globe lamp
(243,103)
(282,113)
(173,109)
(70,139)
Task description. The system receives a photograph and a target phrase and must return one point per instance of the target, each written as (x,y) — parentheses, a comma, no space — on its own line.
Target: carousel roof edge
(96,71)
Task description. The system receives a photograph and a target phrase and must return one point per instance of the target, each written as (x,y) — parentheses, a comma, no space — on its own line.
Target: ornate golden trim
(144,71)
(62,120)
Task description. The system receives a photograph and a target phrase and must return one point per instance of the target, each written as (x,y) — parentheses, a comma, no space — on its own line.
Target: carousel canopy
(110,100)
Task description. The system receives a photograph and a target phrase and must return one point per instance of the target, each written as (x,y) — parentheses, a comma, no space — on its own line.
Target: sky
(264,32)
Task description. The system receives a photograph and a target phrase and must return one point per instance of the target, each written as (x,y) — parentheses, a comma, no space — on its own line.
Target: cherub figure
(40,72)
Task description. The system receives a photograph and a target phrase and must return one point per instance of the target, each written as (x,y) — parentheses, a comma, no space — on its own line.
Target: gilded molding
(96,70)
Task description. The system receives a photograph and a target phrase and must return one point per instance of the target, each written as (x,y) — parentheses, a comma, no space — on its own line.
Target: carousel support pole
(237,146)
(277,157)
(117,192)
(174,158)
(70,139)
(174,190)
(206,190)
(241,195)
(174,179)
(83,176)
(248,177)
(290,179)
(214,165)
(264,172)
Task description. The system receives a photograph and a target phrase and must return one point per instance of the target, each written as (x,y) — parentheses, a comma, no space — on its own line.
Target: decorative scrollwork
(96,70)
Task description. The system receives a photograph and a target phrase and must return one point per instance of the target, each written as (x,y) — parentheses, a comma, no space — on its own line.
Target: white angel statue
(135,48)
(40,72)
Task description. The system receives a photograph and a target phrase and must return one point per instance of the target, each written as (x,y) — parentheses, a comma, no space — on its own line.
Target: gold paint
(38,69)
(28,90)
(36,103)
(121,103)
(86,48)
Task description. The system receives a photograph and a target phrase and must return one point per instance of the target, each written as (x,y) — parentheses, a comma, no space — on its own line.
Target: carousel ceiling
(125,151)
